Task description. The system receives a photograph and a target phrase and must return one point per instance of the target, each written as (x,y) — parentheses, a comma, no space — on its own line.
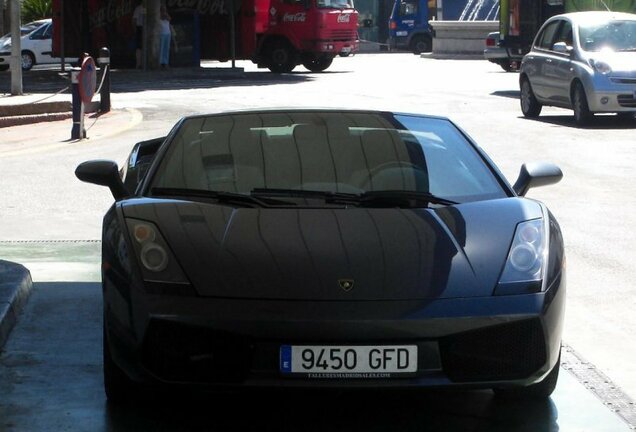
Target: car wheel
(118,387)
(582,114)
(317,64)
(281,57)
(420,44)
(506,65)
(28,60)
(530,106)
(540,390)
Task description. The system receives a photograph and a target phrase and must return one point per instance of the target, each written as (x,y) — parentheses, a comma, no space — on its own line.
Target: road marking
(599,384)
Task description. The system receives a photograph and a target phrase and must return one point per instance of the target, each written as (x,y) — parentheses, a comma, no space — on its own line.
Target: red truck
(274,34)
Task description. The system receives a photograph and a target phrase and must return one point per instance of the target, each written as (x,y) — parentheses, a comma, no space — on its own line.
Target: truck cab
(408,25)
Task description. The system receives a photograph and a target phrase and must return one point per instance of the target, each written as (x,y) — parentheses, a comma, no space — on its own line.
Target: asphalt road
(594,203)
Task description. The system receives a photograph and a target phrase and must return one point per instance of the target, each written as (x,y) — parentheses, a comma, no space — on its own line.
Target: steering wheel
(392,165)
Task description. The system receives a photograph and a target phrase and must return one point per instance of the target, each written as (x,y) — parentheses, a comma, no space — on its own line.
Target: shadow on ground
(337,411)
(598,122)
(130,80)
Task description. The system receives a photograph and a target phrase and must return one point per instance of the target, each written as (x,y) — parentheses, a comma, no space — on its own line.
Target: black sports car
(327,248)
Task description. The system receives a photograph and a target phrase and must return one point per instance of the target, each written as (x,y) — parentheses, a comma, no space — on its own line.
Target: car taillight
(392,25)
(490,42)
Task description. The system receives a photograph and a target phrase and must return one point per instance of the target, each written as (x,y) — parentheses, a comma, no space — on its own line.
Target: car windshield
(615,35)
(333,152)
(335,4)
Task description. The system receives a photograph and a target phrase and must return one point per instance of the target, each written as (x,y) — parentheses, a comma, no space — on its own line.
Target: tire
(118,387)
(317,64)
(420,44)
(281,57)
(28,60)
(505,65)
(540,390)
(582,114)
(530,106)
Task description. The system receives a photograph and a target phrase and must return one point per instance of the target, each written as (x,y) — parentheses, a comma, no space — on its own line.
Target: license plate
(348,361)
(401,33)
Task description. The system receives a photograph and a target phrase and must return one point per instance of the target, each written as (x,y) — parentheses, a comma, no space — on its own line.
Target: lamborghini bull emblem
(346,284)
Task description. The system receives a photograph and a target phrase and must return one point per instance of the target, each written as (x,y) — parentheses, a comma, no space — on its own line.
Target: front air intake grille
(627,100)
(502,352)
(183,353)
(342,35)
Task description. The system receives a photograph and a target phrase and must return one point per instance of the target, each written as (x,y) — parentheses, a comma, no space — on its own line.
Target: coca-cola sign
(204,7)
(297,17)
(344,18)
(111,11)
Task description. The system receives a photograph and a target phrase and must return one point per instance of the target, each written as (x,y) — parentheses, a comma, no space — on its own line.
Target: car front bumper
(611,94)
(481,342)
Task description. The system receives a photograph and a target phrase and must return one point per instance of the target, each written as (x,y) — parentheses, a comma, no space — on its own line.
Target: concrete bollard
(104,93)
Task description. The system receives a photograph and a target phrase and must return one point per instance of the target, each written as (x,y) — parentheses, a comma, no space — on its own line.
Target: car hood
(311,254)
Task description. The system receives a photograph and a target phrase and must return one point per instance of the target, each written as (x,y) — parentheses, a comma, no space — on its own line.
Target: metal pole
(16,49)
(104,92)
(232,34)
(62,53)
(77,132)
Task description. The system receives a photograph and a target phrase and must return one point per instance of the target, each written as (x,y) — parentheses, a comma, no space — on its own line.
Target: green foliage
(33,10)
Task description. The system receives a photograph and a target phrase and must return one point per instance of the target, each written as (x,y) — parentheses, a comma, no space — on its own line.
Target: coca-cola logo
(204,7)
(112,11)
(297,17)
(344,18)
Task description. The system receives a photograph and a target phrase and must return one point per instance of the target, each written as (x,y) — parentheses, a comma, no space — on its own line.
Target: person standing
(165,35)
(139,18)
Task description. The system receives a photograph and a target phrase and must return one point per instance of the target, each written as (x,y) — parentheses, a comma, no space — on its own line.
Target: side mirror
(535,175)
(562,48)
(103,173)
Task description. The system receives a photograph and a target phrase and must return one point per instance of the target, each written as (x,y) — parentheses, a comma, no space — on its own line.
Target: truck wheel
(530,106)
(281,57)
(420,44)
(317,64)
(28,60)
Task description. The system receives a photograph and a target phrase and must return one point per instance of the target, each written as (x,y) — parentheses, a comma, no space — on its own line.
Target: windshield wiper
(301,193)
(399,198)
(384,198)
(220,196)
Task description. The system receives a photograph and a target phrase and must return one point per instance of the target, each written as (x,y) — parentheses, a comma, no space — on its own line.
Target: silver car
(584,61)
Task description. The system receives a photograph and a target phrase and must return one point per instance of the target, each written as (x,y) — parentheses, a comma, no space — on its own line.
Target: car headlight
(601,67)
(157,262)
(524,269)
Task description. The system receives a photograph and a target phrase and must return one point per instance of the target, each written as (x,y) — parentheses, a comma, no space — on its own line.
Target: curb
(15,288)
(34,118)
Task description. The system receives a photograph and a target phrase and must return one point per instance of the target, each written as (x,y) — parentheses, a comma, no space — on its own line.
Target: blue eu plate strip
(286,358)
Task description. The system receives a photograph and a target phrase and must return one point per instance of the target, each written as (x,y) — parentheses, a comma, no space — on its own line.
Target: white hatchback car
(584,61)
(36,45)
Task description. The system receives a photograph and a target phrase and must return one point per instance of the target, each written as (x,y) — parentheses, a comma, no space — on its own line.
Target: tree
(33,10)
